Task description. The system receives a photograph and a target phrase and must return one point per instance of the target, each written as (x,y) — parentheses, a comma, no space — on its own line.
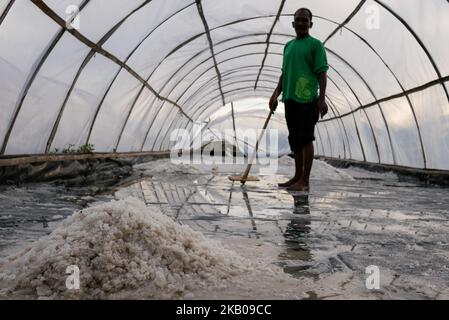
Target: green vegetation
(70,149)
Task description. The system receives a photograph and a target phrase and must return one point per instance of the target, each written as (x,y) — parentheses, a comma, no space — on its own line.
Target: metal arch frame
(338,126)
(409,28)
(378,103)
(209,83)
(213,99)
(195,136)
(321,141)
(223,86)
(32,75)
(151,125)
(361,38)
(166,146)
(183,44)
(347,84)
(268,91)
(330,141)
(229,59)
(317,127)
(342,125)
(185,142)
(369,120)
(212,79)
(233,122)
(357,98)
(149,112)
(243,114)
(240,69)
(233,71)
(204,61)
(191,39)
(355,122)
(372,93)
(399,95)
(211,45)
(186,63)
(239,139)
(268,42)
(215,121)
(167,119)
(242,56)
(376,53)
(394,75)
(204,128)
(264,89)
(174,73)
(193,107)
(86,61)
(191,84)
(207,70)
(403,90)
(145,83)
(97,110)
(424,48)
(344,62)
(399,18)
(231,79)
(143,86)
(98,49)
(344,147)
(6,11)
(393,152)
(348,19)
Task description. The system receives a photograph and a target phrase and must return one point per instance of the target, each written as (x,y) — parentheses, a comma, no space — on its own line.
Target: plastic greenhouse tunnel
(210,150)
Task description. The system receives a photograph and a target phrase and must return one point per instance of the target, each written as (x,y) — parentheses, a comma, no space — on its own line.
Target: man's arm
(321,105)
(277,92)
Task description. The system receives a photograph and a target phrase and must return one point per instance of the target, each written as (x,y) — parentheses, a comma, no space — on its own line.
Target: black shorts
(301,120)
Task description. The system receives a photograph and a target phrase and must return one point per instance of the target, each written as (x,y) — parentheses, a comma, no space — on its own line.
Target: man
(304,69)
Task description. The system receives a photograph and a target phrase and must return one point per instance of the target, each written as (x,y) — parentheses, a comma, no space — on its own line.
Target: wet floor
(32,211)
(341,226)
(336,231)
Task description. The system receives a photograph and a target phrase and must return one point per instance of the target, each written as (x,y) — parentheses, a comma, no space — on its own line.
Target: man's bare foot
(299,186)
(289,183)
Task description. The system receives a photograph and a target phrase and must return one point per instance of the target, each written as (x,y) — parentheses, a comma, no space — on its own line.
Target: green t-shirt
(304,60)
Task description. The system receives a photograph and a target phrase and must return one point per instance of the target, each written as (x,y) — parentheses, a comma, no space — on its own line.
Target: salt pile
(118,246)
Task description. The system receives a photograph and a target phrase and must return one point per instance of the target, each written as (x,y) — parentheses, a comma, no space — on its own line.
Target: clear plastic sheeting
(123,75)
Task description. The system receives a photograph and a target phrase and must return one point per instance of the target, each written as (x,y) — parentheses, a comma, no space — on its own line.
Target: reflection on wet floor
(296,234)
(340,226)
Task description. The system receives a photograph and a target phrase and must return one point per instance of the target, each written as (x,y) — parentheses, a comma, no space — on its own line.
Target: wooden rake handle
(248,168)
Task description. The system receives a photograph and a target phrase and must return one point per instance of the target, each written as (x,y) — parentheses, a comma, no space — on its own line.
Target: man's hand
(322,107)
(273,102)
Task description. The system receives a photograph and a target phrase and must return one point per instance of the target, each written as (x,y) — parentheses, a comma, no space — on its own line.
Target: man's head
(302,21)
